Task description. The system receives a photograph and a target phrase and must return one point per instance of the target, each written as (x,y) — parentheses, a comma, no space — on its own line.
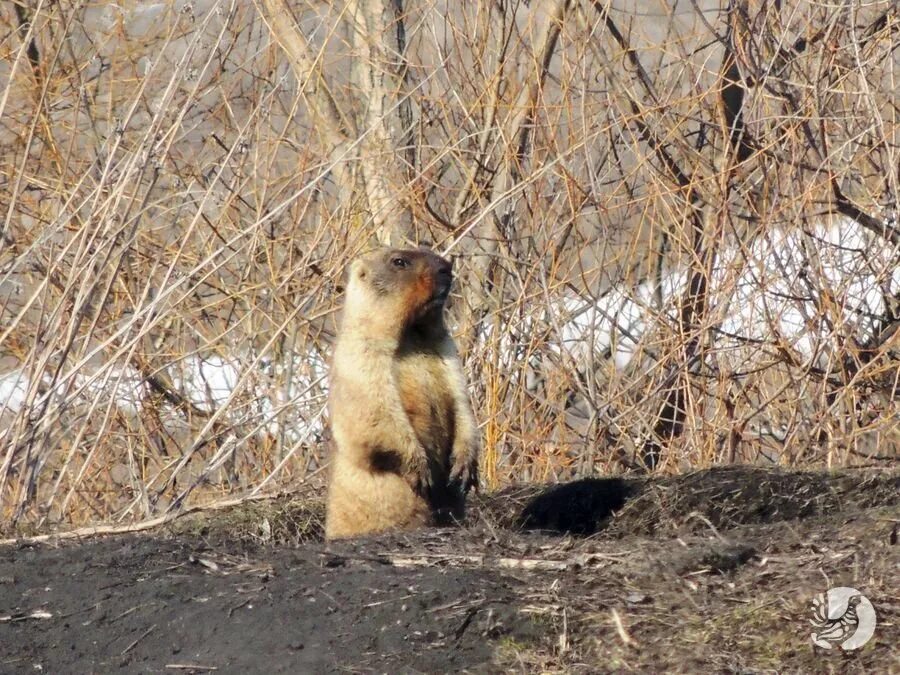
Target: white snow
(206,382)
(124,386)
(13,390)
(808,290)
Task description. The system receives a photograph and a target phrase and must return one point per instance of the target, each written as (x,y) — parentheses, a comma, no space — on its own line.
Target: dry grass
(676,232)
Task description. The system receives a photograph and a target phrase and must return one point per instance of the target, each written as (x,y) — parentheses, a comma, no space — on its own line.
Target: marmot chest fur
(405,446)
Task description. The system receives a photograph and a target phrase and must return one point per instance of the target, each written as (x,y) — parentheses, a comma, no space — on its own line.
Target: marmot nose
(444,274)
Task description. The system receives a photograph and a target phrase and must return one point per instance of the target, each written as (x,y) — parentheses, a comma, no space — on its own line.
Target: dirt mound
(709,572)
(145,605)
(723,497)
(737,495)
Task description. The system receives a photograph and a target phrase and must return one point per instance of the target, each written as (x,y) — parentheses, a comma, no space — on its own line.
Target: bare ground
(708,572)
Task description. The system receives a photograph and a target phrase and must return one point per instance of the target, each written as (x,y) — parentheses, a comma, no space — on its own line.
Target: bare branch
(336,129)
(379,88)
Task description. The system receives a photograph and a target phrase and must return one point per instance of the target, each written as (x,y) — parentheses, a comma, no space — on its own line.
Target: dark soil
(710,572)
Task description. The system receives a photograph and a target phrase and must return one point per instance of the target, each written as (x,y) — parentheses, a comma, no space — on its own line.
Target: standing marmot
(405,446)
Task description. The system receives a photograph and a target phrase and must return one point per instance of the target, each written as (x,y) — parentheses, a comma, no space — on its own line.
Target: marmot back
(405,446)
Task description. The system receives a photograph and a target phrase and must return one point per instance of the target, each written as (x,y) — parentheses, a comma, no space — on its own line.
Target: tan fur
(405,440)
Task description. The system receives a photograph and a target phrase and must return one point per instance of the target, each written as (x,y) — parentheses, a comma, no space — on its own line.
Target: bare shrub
(676,232)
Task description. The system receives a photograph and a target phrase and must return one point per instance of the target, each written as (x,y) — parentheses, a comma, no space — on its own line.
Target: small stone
(120,474)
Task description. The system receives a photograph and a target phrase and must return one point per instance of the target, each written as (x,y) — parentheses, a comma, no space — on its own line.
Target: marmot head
(396,288)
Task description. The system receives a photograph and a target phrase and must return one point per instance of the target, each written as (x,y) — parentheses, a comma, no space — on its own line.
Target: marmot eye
(400,262)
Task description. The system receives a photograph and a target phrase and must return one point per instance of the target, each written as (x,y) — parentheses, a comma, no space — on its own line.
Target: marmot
(405,440)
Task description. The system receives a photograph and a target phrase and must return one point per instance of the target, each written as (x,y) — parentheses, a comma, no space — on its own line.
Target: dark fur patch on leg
(386,461)
(580,507)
